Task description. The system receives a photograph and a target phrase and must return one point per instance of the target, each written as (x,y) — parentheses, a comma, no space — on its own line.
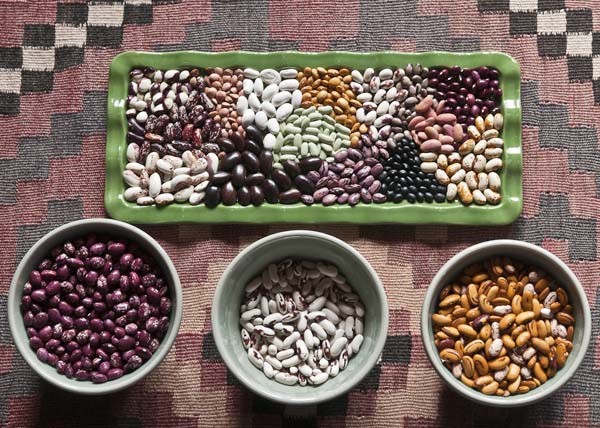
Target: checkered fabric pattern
(54,59)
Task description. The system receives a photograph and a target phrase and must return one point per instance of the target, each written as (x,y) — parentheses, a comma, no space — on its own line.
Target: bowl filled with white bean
(300,317)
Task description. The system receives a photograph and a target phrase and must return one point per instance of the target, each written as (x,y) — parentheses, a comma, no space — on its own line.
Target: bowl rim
(379,339)
(456,385)
(85,387)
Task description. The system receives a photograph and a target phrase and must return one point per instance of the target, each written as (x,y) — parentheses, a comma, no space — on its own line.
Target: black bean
(220,177)
(257,195)
(290,196)
(228,194)
(212,196)
(243,195)
(254,134)
(305,185)
(310,164)
(238,141)
(282,179)
(254,179)
(291,168)
(271,191)
(253,147)
(251,162)
(265,159)
(238,175)
(134,138)
(226,144)
(230,160)
(439,197)
(136,127)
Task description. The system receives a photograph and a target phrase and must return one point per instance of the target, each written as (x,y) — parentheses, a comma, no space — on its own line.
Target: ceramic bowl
(40,250)
(298,244)
(536,256)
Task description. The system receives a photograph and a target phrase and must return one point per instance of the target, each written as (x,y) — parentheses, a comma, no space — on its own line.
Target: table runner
(54,59)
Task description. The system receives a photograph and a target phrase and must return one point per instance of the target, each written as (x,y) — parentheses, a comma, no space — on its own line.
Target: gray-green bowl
(300,244)
(40,250)
(539,257)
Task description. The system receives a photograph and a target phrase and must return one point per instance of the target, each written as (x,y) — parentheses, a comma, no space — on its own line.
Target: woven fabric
(54,59)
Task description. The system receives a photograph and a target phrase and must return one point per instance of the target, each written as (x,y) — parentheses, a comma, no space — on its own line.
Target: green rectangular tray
(419,213)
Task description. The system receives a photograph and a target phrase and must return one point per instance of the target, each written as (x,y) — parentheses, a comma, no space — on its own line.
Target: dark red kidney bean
(95,377)
(114,373)
(291,168)
(238,141)
(35,342)
(54,315)
(265,160)
(230,160)
(52,288)
(257,196)
(290,196)
(226,144)
(254,134)
(251,161)
(253,147)
(310,164)
(229,197)
(38,296)
(271,191)
(305,185)
(220,177)
(45,333)
(40,319)
(243,196)
(238,175)
(282,179)
(97,249)
(307,199)
(48,275)
(35,278)
(42,355)
(255,179)
(116,249)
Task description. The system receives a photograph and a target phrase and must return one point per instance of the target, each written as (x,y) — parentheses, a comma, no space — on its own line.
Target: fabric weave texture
(54,59)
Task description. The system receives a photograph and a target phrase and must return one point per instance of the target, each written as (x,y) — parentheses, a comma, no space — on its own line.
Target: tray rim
(387,213)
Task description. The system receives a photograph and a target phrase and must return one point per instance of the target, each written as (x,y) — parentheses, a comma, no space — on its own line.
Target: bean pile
(503,327)
(96,308)
(317,135)
(301,322)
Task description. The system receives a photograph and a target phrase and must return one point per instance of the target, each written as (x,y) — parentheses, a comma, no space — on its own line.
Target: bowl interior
(40,250)
(305,245)
(538,257)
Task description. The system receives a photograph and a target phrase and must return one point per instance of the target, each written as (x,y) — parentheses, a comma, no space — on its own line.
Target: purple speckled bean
(341,156)
(374,187)
(343,198)
(376,170)
(353,199)
(367,181)
(320,194)
(307,199)
(365,196)
(329,199)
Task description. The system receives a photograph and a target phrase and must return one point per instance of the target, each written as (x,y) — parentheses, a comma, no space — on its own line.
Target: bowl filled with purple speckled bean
(94,306)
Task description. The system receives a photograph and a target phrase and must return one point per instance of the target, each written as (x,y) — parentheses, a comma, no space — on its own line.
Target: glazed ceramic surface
(419,213)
